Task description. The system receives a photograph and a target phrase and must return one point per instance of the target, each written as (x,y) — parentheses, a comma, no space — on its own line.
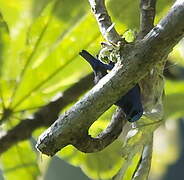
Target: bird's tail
(95,63)
(89,58)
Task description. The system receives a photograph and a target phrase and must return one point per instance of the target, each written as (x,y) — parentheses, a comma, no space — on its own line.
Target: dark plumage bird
(99,68)
(131,101)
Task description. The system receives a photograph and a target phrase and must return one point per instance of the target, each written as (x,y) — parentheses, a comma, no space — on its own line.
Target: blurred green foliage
(39,45)
(20,162)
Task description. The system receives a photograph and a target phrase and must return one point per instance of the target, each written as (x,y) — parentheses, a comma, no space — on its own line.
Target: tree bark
(137,59)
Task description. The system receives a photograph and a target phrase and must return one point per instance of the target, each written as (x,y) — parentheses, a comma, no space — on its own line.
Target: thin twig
(144,165)
(128,160)
(147,16)
(104,21)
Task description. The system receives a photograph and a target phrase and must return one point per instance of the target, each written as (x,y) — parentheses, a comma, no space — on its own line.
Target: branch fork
(137,61)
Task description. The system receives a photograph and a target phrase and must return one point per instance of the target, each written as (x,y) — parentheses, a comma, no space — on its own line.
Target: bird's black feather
(131,101)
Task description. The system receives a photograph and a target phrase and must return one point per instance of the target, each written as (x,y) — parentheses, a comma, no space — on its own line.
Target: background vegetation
(39,46)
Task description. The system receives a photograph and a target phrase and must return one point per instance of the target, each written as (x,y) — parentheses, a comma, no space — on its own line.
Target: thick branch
(88,144)
(46,115)
(137,61)
(104,21)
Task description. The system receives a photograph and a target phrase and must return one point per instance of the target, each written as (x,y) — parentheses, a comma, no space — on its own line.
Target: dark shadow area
(173,71)
(60,170)
(1,175)
(176,170)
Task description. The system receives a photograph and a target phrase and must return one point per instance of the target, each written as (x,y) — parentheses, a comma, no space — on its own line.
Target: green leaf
(4,40)
(4,51)
(104,164)
(20,161)
(43,43)
(174,99)
(129,35)
(45,48)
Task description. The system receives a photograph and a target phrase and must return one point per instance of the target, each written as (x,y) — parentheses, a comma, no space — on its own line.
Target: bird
(99,68)
(130,102)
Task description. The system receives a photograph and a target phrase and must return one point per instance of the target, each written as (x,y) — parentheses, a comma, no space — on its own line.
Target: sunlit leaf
(39,46)
(20,161)
(174,99)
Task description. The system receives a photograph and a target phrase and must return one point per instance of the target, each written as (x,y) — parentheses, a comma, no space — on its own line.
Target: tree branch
(136,61)
(138,140)
(128,161)
(150,99)
(147,9)
(152,85)
(46,115)
(144,166)
(104,21)
(88,144)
